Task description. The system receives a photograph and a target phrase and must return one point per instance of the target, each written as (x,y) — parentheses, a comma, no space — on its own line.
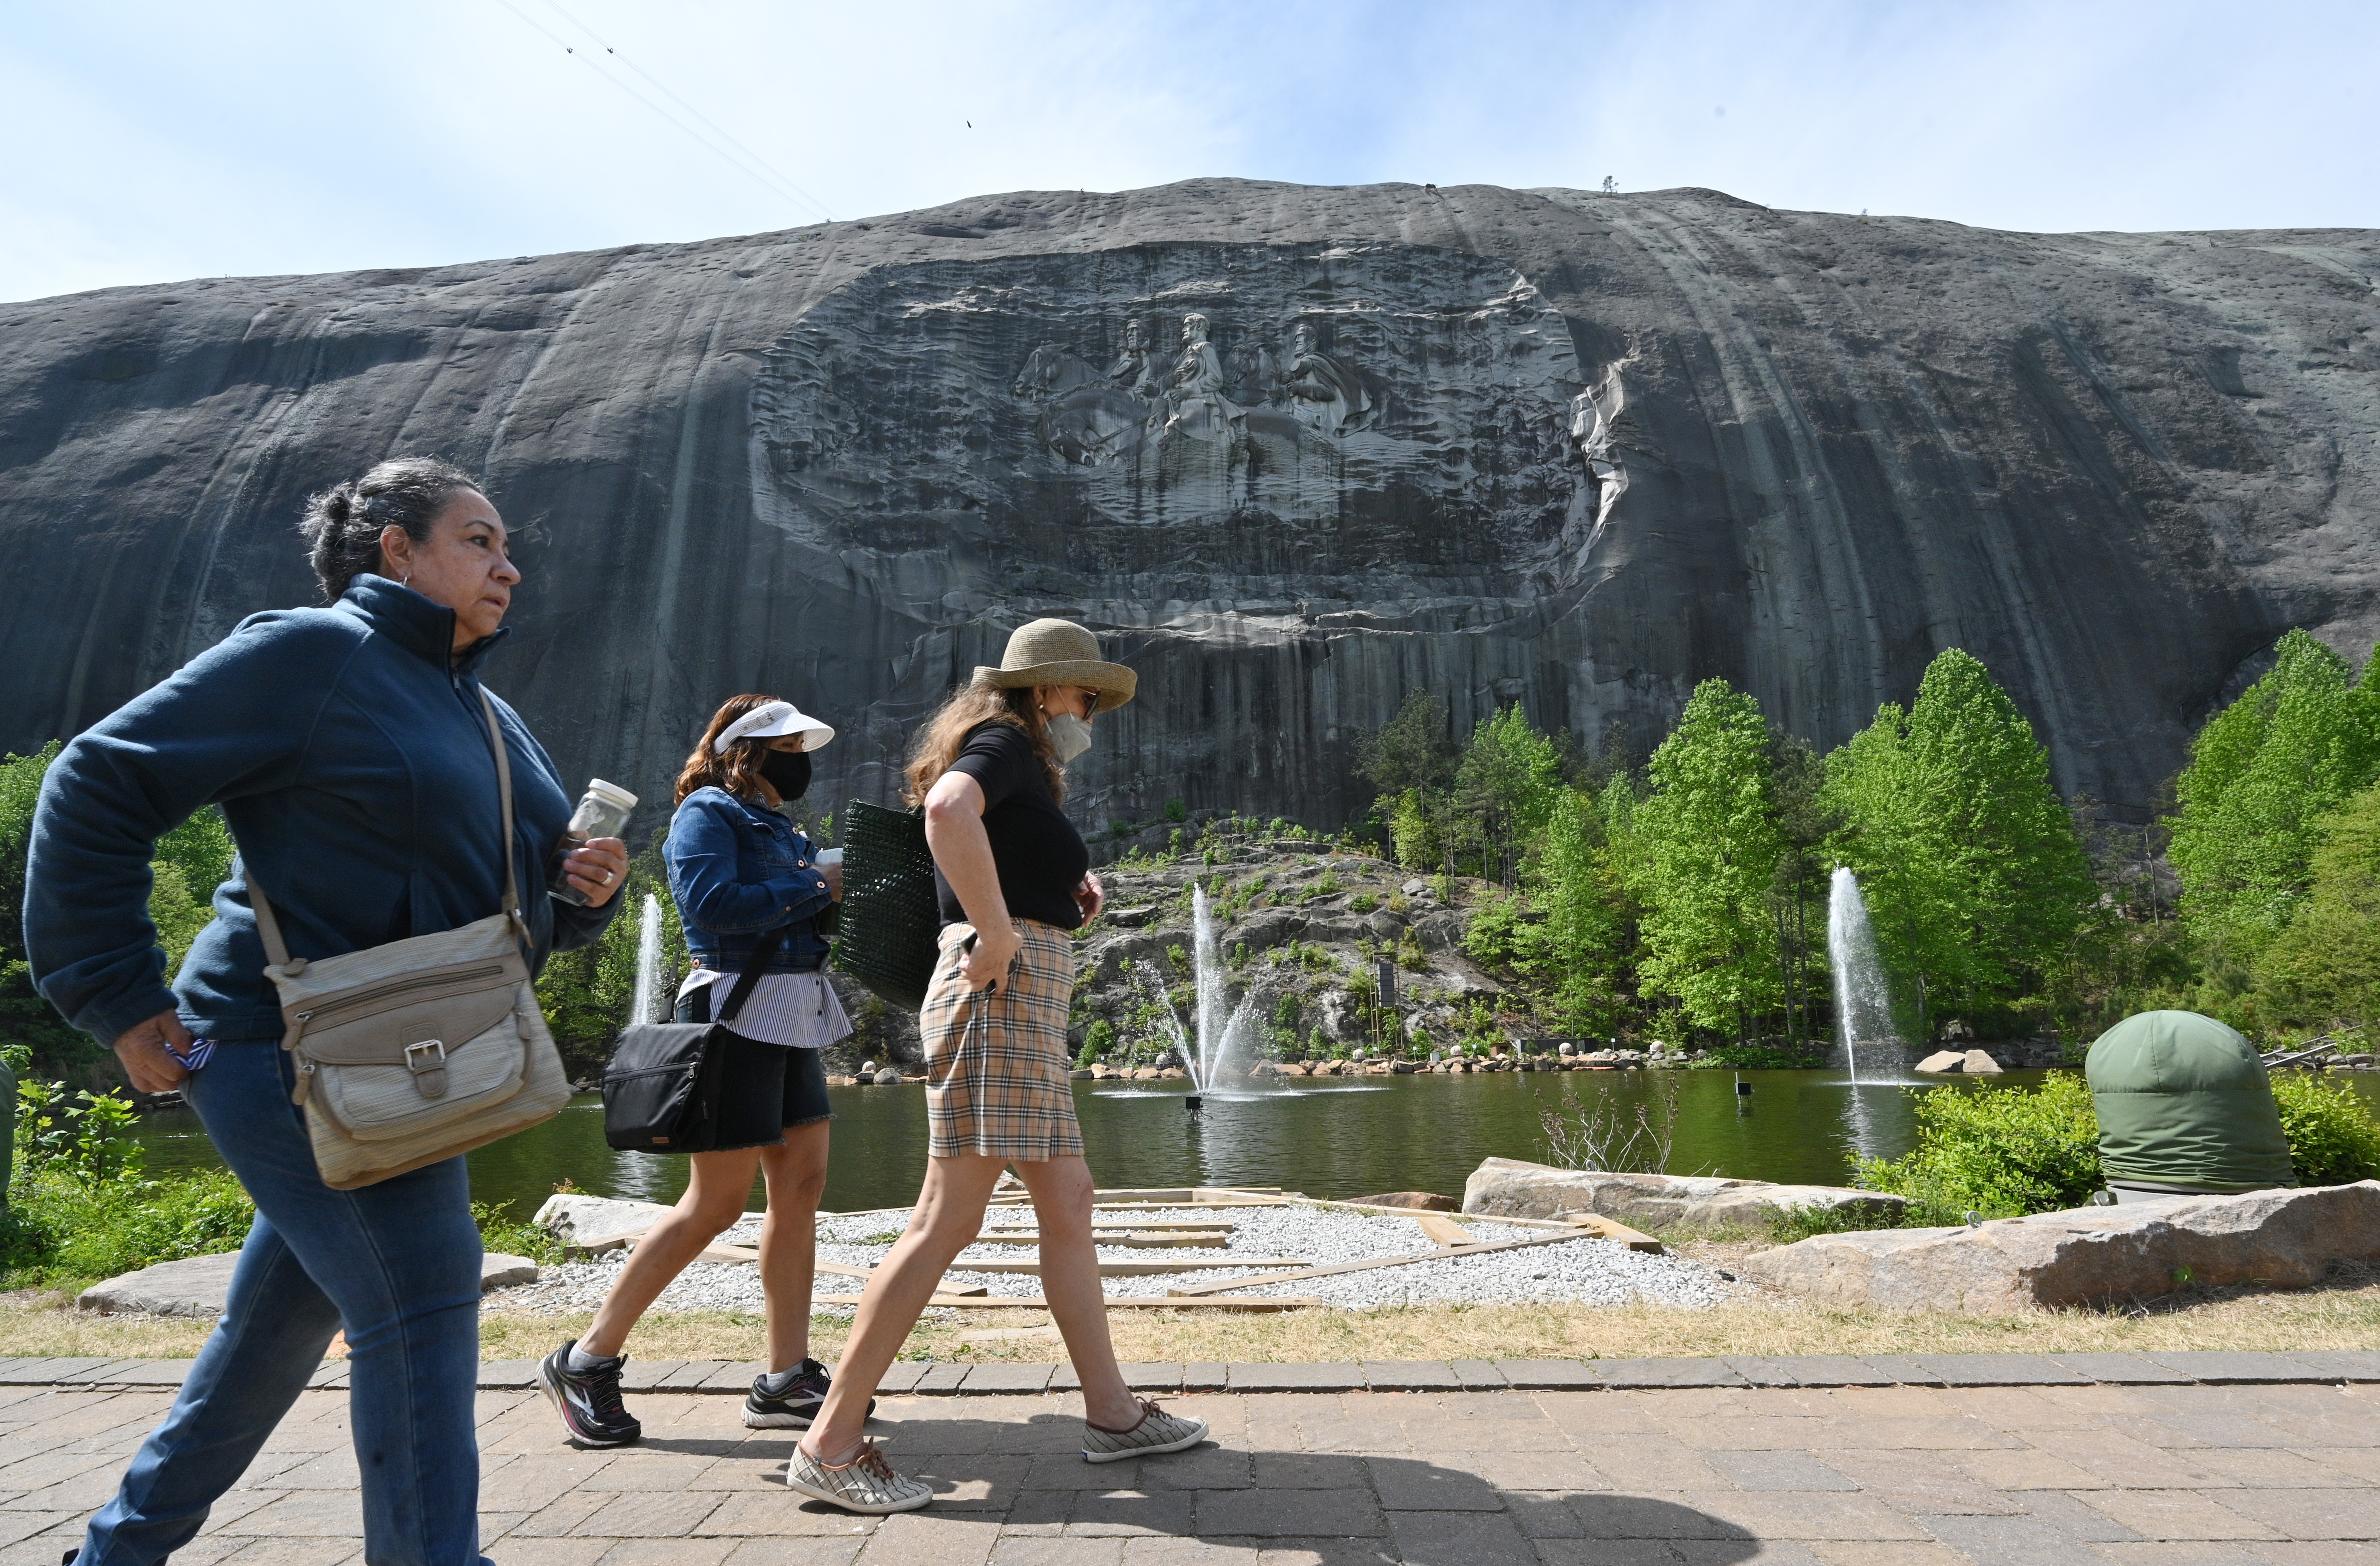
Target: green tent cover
(2183,1100)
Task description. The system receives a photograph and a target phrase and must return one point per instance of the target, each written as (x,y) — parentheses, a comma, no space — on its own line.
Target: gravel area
(1585,1270)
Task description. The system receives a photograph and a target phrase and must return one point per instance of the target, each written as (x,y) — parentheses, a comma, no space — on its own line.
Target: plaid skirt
(996,1062)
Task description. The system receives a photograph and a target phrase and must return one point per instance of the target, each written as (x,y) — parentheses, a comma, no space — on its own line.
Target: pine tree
(1974,877)
(1505,790)
(2262,775)
(1708,842)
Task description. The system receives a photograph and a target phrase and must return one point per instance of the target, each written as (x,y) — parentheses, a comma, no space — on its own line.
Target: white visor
(769,722)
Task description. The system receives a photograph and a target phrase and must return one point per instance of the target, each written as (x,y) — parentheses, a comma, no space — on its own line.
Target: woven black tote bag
(890,914)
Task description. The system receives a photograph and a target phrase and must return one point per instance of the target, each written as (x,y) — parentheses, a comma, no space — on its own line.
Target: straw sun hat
(1059,652)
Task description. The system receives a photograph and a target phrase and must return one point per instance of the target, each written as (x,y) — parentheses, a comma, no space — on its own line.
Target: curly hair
(343,524)
(738,771)
(939,742)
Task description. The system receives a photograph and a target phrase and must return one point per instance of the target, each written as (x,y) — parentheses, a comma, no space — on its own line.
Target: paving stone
(2185,1514)
(2008,1541)
(1411,1375)
(2117,1369)
(2217,1369)
(508,1375)
(940,1377)
(2308,1513)
(817,1551)
(1158,1377)
(1906,1370)
(1205,1376)
(1411,1485)
(1776,1470)
(644,1375)
(1007,1377)
(1479,1375)
(1330,1377)
(734,1377)
(902,1376)
(1475,1539)
(1111,1514)
(1627,1373)
(2341,1365)
(1758,1371)
(923,1538)
(1258,1513)
(1999,1370)
(331,1373)
(1671,1516)
(1549,1375)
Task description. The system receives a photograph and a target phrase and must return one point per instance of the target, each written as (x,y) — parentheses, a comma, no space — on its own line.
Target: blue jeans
(396,1264)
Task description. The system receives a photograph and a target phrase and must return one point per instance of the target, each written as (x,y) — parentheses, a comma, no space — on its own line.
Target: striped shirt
(798,1010)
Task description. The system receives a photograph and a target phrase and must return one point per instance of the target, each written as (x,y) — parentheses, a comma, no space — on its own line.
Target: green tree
(1798,893)
(1504,791)
(26,1019)
(2323,967)
(588,993)
(2262,774)
(1974,877)
(1710,845)
(1412,758)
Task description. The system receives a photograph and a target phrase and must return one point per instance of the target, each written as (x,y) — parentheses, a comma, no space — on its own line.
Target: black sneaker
(589,1404)
(793,1408)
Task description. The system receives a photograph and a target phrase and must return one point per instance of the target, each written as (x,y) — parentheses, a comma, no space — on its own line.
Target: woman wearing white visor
(748,885)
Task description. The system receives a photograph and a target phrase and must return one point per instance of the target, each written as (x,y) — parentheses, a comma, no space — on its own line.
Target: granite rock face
(2089,1256)
(1512,1189)
(1294,450)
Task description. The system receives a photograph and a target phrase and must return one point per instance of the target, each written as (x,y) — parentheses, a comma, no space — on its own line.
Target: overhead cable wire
(775,185)
(664,88)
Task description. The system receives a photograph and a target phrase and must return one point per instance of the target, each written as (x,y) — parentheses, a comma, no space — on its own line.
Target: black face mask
(788,773)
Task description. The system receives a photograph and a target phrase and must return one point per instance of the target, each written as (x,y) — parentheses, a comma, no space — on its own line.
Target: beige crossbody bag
(422,1048)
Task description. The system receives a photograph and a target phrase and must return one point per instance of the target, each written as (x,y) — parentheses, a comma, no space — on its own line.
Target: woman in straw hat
(1014,882)
(750,889)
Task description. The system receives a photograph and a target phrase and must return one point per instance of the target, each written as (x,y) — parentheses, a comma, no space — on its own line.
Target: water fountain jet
(649,964)
(1223,1032)
(1862,1003)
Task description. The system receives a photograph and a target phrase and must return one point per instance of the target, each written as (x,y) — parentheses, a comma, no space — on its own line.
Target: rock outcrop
(2089,1256)
(201,1285)
(1512,1189)
(1296,450)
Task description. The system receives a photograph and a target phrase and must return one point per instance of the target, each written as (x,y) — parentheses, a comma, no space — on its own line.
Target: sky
(144,142)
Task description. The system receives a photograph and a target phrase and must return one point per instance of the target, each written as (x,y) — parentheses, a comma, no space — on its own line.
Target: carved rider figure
(1136,369)
(1195,403)
(1323,394)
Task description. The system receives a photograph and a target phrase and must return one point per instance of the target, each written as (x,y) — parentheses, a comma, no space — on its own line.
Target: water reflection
(1344,1139)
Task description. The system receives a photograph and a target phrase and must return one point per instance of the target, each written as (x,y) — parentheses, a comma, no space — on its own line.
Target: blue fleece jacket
(350,756)
(738,868)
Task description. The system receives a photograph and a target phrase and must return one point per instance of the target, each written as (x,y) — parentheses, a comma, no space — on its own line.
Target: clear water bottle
(603,812)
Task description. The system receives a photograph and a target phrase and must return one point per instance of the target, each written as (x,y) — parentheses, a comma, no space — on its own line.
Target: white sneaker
(1157,1432)
(866,1483)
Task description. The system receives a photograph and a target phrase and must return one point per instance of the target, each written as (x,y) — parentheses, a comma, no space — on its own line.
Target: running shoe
(793,1408)
(1157,1432)
(589,1403)
(867,1484)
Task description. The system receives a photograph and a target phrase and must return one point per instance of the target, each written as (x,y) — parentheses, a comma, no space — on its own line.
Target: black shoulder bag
(661,1089)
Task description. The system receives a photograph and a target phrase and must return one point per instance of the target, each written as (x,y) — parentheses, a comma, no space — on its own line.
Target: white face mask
(1069,736)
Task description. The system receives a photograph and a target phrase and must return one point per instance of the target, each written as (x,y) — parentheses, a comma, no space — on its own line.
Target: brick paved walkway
(2163,1470)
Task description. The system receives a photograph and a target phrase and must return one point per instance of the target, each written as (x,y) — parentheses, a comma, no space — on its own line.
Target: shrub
(1176,811)
(1760,1057)
(500,1233)
(1098,1039)
(2333,1139)
(1363,903)
(1998,1151)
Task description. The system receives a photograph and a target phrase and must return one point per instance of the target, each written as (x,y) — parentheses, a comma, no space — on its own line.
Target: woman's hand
(596,869)
(985,963)
(1090,897)
(146,1061)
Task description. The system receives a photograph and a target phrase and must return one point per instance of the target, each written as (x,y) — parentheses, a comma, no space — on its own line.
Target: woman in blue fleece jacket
(349,752)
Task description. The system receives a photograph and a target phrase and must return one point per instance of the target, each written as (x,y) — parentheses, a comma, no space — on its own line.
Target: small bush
(1760,1057)
(1999,1151)
(1176,811)
(1363,903)
(1098,1039)
(64,1230)
(501,1235)
(2333,1139)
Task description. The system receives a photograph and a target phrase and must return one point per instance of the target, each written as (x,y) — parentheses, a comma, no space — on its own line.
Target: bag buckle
(427,1062)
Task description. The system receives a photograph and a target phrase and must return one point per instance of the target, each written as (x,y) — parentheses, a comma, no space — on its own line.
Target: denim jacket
(738,868)
(350,756)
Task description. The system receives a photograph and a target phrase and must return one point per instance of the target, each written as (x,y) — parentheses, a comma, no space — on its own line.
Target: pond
(1327,1138)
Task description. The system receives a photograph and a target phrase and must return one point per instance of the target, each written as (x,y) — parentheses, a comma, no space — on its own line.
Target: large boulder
(593,1222)
(198,1285)
(1511,1188)
(2289,1239)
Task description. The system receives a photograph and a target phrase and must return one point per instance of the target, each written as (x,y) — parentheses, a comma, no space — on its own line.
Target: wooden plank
(1132,1269)
(1195,1290)
(1035,1302)
(1138,1239)
(1208,1225)
(1603,1228)
(1442,1230)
